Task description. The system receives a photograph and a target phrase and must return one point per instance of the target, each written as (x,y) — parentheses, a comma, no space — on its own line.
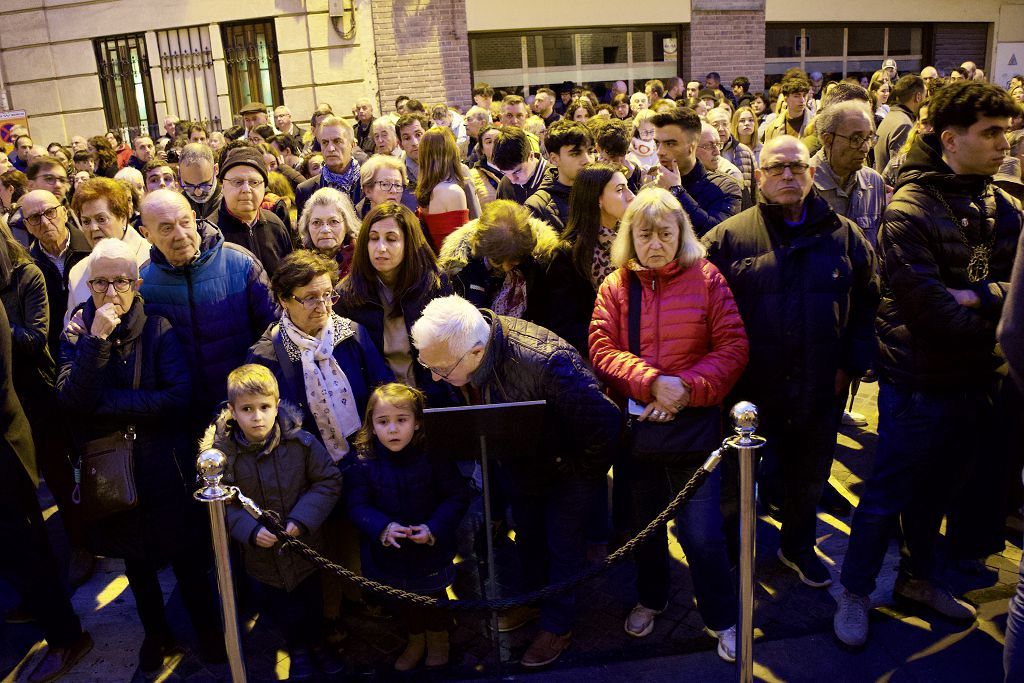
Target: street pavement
(793,623)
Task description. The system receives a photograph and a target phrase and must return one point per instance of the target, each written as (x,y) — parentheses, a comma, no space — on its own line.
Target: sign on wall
(8,120)
(1009,63)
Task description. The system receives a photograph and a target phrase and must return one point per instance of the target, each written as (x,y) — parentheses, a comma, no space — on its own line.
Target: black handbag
(693,430)
(105,474)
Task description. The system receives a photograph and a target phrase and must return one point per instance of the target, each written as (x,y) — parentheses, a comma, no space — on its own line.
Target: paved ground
(793,623)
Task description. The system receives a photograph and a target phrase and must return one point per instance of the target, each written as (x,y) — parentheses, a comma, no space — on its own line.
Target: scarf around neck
(328,391)
(343,181)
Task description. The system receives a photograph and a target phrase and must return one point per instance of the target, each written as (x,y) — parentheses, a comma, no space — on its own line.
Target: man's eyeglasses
(389,185)
(448,373)
(51,179)
(796,168)
(237,183)
(710,146)
(198,188)
(313,302)
(100,285)
(857,140)
(49,214)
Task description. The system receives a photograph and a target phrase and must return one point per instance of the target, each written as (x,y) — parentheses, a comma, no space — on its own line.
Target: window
(524,61)
(190,86)
(125,85)
(250,52)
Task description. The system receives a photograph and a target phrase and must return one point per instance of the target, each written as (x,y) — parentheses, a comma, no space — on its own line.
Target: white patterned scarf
(328,391)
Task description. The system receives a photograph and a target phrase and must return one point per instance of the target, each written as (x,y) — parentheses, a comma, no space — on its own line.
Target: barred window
(125,83)
(250,52)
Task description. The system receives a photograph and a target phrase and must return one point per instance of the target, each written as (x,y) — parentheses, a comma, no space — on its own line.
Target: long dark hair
(585,213)
(417,274)
(11,255)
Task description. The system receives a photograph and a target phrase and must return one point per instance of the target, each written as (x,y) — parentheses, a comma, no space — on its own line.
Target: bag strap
(137,376)
(635,302)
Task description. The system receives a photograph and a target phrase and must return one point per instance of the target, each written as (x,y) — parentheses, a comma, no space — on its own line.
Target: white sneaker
(640,621)
(726,643)
(852,419)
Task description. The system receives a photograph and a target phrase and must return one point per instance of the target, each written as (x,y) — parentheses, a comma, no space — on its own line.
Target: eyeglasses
(330,223)
(857,140)
(710,146)
(49,214)
(313,302)
(238,183)
(795,167)
(100,285)
(199,187)
(389,185)
(444,375)
(55,179)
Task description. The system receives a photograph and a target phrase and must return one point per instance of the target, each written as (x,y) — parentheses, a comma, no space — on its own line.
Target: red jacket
(689,327)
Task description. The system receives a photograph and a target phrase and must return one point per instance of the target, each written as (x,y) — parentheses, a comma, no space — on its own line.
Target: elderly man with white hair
(477,118)
(495,359)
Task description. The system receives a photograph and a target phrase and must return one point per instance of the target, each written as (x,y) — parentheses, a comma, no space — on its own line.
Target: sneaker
(545,649)
(516,618)
(640,621)
(852,419)
(933,596)
(850,624)
(726,643)
(809,568)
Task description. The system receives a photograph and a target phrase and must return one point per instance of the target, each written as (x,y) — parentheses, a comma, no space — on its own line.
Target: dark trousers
(551,532)
(52,448)
(28,562)
(190,570)
(297,613)
(420,619)
(926,444)
(699,529)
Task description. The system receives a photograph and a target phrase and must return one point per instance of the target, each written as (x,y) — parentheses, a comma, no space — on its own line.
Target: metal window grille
(125,83)
(250,53)
(190,85)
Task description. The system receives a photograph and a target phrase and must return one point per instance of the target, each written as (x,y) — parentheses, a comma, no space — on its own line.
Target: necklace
(981,251)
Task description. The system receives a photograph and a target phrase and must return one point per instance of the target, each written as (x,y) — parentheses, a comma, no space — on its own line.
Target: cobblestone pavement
(793,622)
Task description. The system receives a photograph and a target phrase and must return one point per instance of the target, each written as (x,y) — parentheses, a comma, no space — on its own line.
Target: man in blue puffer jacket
(215,294)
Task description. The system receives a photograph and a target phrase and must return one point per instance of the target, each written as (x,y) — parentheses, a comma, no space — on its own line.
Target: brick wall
(958,43)
(729,42)
(422,51)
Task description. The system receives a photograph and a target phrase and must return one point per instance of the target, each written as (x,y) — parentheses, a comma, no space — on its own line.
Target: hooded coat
(926,340)
(291,474)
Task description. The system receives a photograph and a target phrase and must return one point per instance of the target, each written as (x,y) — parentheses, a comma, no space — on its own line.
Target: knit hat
(244,155)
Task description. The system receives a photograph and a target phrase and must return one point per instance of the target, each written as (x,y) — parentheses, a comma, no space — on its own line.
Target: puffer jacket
(808,296)
(525,362)
(290,474)
(708,197)
(742,157)
(485,179)
(410,488)
(268,238)
(926,340)
(690,328)
(550,203)
(473,279)
(219,305)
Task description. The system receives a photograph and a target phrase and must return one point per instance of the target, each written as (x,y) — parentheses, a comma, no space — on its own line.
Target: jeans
(699,529)
(1013,652)
(551,532)
(927,441)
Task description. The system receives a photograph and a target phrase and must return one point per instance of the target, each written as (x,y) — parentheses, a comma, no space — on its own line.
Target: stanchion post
(210,465)
(744,420)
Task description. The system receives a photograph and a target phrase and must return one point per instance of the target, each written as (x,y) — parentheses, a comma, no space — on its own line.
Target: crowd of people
(297,297)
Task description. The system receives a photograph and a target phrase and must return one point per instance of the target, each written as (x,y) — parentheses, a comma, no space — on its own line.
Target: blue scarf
(347,181)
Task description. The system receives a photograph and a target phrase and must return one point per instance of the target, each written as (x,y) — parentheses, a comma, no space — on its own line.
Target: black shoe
(328,661)
(152,652)
(302,667)
(809,568)
(833,502)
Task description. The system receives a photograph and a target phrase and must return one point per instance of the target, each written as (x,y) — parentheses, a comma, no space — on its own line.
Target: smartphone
(635,408)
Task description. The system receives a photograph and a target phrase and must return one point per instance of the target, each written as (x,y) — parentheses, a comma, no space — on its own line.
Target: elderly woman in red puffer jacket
(687,351)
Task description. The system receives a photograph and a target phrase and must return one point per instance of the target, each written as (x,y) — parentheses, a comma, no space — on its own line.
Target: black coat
(568,306)
(807,295)
(708,197)
(94,390)
(410,488)
(927,341)
(550,203)
(57,282)
(24,300)
(525,362)
(18,472)
(371,316)
(268,239)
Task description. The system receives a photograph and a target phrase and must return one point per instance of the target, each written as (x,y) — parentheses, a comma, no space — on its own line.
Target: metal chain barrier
(272,522)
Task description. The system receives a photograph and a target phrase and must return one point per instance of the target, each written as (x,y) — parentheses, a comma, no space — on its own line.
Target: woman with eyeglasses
(328,226)
(127,374)
(384,180)
(394,276)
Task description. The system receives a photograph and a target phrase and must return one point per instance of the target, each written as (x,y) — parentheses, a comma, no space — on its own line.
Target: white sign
(1009,63)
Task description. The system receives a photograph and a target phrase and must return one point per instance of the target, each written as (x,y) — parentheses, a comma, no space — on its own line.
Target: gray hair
(832,116)
(116,250)
(650,208)
(369,170)
(332,120)
(476,111)
(452,321)
(194,153)
(339,202)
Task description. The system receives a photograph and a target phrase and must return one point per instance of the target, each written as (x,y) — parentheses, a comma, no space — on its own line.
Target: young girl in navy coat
(407,508)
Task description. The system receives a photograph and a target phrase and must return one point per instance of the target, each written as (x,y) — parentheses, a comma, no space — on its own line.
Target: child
(407,508)
(287,470)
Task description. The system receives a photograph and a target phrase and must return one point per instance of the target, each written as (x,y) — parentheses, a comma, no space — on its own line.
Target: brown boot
(412,654)
(437,649)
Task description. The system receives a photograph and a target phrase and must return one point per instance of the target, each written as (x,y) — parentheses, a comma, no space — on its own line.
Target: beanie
(244,155)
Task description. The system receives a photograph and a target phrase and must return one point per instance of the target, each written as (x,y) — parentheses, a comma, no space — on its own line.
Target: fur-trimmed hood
(289,419)
(456,252)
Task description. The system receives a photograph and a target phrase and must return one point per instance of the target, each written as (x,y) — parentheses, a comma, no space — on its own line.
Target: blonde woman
(440,193)
(384,180)
(744,129)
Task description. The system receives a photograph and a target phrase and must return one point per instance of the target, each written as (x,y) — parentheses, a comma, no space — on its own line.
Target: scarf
(602,265)
(328,391)
(511,299)
(343,181)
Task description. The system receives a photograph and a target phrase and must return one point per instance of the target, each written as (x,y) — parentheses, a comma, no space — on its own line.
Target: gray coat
(893,132)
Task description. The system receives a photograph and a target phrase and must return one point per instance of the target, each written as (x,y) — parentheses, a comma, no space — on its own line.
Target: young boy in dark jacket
(286,470)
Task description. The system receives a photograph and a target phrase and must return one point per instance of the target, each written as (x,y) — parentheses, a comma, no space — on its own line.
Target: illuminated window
(250,53)
(125,85)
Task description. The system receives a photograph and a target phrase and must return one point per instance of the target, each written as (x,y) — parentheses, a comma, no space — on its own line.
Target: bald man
(216,295)
(805,284)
